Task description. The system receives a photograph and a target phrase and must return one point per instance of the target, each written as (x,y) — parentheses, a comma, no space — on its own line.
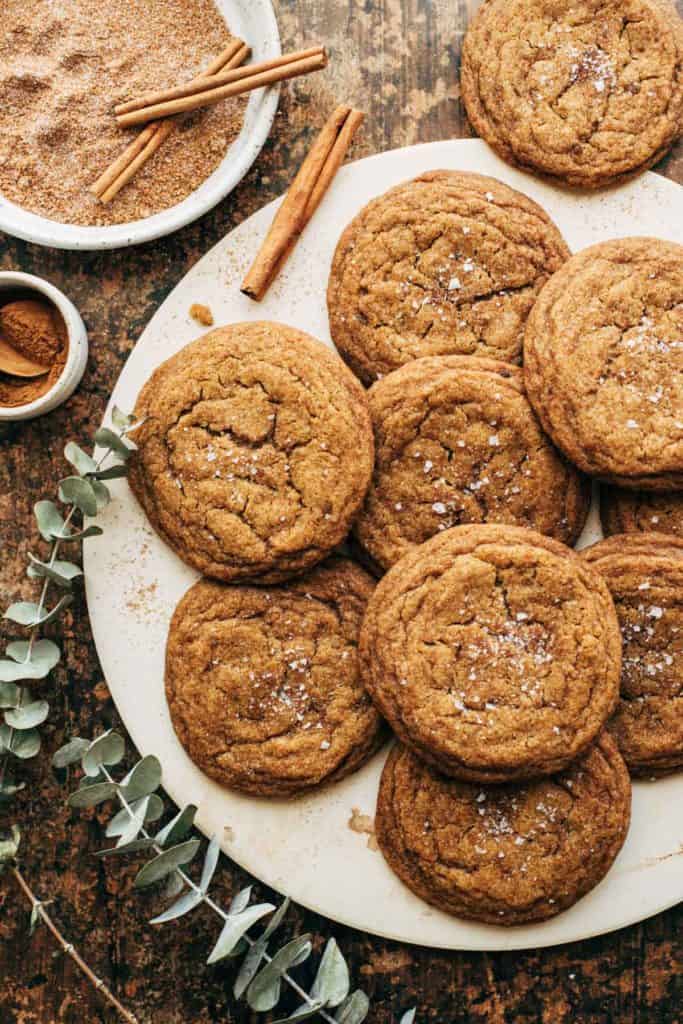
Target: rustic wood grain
(398,61)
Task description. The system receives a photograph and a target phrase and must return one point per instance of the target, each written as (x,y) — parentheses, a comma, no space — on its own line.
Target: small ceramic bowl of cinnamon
(43,347)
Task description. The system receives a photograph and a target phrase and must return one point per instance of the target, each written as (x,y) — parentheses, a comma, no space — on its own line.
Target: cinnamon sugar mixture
(64,64)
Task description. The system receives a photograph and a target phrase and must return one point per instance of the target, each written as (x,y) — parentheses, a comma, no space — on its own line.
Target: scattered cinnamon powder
(35,329)
(202,314)
(64,64)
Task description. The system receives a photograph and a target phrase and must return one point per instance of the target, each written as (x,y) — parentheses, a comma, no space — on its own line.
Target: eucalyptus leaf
(74,490)
(136,821)
(121,420)
(187,902)
(133,847)
(89,531)
(26,613)
(101,492)
(119,823)
(354,1010)
(28,716)
(240,900)
(303,1013)
(80,460)
(277,918)
(408,1017)
(143,779)
(50,521)
(44,655)
(9,789)
(60,572)
(331,983)
(164,863)
(235,927)
(174,886)
(106,438)
(9,845)
(9,694)
(34,919)
(91,796)
(6,735)
(210,862)
(264,991)
(70,753)
(25,744)
(111,472)
(109,749)
(249,967)
(178,827)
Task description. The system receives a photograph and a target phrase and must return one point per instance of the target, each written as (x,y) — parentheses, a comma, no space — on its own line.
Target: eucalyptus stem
(294,985)
(39,908)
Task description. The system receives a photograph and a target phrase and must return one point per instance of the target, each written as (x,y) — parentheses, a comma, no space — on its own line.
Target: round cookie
(263,683)
(255,451)
(589,92)
(505,854)
(603,362)
(644,573)
(641,511)
(493,652)
(448,263)
(457,442)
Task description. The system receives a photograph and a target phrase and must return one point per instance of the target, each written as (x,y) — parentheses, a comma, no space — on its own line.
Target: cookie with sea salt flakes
(457,442)
(585,91)
(448,263)
(644,573)
(494,653)
(263,683)
(641,511)
(603,362)
(504,854)
(254,453)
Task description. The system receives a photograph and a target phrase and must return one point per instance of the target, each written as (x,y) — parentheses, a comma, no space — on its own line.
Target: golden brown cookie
(263,683)
(504,854)
(255,451)
(589,91)
(457,442)
(641,511)
(644,573)
(493,652)
(448,263)
(603,362)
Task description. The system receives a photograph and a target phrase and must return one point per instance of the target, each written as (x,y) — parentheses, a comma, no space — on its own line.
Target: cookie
(589,92)
(255,452)
(505,854)
(449,263)
(603,362)
(457,442)
(493,652)
(644,573)
(263,683)
(641,511)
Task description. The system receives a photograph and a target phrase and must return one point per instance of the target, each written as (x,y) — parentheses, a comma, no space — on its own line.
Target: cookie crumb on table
(202,314)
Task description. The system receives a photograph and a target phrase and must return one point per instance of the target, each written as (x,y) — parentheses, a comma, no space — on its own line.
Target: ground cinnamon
(34,328)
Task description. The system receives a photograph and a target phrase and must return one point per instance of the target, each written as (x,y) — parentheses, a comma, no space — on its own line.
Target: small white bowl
(68,381)
(251,20)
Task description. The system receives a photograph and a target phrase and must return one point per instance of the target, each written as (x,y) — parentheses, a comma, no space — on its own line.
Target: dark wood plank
(398,60)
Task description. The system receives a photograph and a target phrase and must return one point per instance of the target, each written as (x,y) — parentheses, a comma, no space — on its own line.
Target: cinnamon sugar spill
(64,64)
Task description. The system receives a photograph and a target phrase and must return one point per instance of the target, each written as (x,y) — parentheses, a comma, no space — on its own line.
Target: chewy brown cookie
(263,683)
(603,362)
(494,653)
(504,854)
(644,573)
(449,263)
(589,91)
(457,442)
(641,511)
(255,451)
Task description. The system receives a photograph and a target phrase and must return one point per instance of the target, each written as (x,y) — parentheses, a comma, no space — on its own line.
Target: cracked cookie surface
(263,683)
(457,442)
(448,263)
(641,511)
(644,573)
(255,452)
(504,854)
(494,653)
(603,362)
(588,91)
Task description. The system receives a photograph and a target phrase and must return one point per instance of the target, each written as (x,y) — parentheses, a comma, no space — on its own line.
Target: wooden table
(398,60)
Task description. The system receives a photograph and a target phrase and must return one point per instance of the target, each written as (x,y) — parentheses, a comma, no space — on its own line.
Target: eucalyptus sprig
(31,659)
(261,971)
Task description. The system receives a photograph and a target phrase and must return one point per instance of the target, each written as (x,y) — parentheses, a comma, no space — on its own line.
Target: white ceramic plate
(251,20)
(306,847)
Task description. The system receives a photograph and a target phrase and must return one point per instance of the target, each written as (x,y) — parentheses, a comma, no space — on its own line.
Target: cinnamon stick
(302,200)
(145,145)
(250,78)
